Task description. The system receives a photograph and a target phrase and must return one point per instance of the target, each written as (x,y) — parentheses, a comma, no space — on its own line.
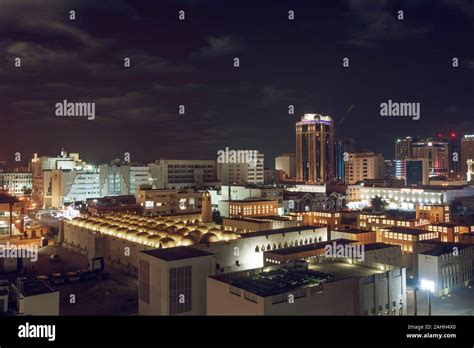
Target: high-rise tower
(315,148)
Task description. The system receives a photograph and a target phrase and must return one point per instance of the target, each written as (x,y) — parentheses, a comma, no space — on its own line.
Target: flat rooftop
(449,224)
(406,230)
(353,231)
(280,230)
(341,270)
(176,253)
(250,200)
(310,247)
(378,246)
(36,287)
(274,281)
(445,248)
(260,219)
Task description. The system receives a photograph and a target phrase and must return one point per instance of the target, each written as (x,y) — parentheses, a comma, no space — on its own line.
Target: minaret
(206,212)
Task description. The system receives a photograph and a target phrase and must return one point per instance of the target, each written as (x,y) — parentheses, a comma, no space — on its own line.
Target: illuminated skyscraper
(403,148)
(342,149)
(315,148)
(437,153)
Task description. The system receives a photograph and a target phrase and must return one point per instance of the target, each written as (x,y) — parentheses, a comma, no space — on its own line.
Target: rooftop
(405,230)
(448,224)
(445,248)
(377,246)
(36,287)
(279,231)
(250,200)
(353,230)
(176,253)
(341,270)
(273,281)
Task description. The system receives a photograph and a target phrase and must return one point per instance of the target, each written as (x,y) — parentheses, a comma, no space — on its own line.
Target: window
(251,297)
(144,278)
(234,290)
(180,279)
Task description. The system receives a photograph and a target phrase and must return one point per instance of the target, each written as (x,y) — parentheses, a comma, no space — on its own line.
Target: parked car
(85,274)
(54,258)
(72,277)
(42,277)
(56,278)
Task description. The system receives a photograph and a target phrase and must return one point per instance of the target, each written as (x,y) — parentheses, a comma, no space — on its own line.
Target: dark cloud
(219,46)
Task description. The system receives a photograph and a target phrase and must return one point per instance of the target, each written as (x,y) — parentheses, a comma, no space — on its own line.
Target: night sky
(190,62)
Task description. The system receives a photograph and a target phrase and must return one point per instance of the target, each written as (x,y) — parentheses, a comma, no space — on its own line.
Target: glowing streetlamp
(429,286)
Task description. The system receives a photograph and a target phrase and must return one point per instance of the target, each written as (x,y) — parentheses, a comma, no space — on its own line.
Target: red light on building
(453,135)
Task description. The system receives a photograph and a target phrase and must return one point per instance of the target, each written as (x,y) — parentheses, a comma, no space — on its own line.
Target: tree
(378,204)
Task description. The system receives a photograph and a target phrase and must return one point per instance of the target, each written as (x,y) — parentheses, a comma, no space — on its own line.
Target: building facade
(315,148)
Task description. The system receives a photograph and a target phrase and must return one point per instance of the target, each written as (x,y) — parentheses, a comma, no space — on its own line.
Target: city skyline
(190,63)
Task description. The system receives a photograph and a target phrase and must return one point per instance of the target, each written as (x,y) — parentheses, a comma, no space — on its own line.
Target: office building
(184,174)
(15,183)
(252,208)
(449,232)
(364,165)
(315,149)
(434,213)
(70,186)
(416,172)
(42,167)
(446,266)
(405,237)
(454,145)
(119,178)
(403,148)
(342,148)
(436,152)
(287,163)
(243,172)
(165,202)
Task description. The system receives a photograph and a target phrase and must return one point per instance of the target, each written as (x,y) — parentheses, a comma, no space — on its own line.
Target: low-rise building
(405,237)
(449,232)
(173,281)
(163,202)
(447,266)
(355,234)
(330,288)
(36,297)
(252,208)
(16,183)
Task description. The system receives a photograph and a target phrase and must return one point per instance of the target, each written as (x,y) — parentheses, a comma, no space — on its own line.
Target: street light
(429,286)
